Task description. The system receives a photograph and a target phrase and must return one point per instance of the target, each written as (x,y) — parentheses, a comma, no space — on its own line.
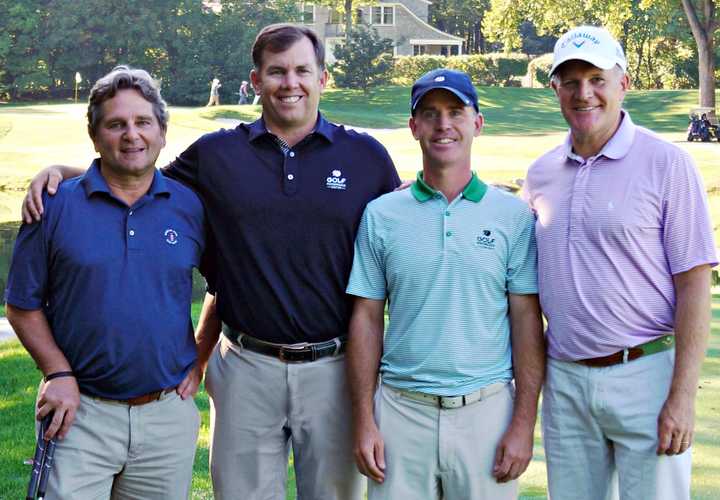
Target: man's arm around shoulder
(514,451)
(363,361)
(48,179)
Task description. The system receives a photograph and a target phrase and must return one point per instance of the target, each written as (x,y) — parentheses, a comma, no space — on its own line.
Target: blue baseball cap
(457,82)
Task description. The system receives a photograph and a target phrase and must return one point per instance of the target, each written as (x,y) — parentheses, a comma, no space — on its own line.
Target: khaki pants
(127,452)
(600,431)
(259,406)
(433,453)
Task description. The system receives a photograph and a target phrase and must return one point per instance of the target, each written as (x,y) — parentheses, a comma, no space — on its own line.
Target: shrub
(538,72)
(494,69)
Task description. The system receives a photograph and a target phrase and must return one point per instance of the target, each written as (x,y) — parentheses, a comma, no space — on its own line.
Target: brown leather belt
(138,400)
(631,353)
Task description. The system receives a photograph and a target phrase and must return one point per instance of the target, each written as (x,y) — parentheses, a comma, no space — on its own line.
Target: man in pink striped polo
(625,248)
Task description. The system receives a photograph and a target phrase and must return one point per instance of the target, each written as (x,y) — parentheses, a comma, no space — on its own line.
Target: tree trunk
(348,18)
(703,29)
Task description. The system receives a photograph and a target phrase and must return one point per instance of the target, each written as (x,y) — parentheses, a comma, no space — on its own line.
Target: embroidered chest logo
(485,240)
(336,181)
(171,237)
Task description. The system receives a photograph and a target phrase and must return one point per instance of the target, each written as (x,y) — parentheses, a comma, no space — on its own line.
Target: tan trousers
(259,406)
(433,453)
(127,452)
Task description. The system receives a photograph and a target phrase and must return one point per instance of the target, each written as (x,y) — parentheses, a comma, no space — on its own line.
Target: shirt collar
(617,147)
(322,127)
(94,182)
(474,190)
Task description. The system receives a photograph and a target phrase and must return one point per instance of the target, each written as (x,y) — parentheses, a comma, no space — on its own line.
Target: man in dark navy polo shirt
(284,196)
(99,293)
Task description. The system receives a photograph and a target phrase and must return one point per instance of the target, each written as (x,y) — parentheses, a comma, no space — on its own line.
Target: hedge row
(495,69)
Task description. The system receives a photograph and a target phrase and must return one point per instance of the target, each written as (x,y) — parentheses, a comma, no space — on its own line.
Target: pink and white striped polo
(611,231)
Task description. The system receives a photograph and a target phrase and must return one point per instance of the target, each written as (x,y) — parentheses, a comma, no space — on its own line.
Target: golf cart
(703,125)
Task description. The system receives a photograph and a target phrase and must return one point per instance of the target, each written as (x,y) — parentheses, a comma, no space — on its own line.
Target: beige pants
(127,452)
(259,405)
(433,453)
(600,431)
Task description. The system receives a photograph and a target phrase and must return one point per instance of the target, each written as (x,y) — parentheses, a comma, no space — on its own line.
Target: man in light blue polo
(456,261)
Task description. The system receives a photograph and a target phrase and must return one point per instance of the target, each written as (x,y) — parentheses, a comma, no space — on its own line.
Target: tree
(364,60)
(642,26)
(702,17)
(463,18)
(343,7)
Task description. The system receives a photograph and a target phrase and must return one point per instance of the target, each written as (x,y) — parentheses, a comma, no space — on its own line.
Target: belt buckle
(451,402)
(286,352)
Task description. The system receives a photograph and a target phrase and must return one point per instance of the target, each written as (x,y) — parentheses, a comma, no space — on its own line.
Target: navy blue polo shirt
(114,281)
(284,223)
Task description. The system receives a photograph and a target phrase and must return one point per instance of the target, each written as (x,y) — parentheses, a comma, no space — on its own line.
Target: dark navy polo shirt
(114,281)
(284,223)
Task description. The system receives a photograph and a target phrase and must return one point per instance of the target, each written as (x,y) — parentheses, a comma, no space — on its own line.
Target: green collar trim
(474,191)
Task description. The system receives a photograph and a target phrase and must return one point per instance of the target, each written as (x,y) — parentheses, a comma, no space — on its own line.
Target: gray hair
(120,78)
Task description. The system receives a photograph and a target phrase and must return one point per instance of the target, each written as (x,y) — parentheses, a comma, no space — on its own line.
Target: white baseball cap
(591,44)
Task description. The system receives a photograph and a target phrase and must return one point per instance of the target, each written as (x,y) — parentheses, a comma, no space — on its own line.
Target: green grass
(521,124)
(19,379)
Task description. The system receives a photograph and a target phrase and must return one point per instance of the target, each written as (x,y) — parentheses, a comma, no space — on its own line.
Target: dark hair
(279,37)
(120,78)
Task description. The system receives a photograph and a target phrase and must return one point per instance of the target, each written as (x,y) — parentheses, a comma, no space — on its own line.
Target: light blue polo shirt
(446,269)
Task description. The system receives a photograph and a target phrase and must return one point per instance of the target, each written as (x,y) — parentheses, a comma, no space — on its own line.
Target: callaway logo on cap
(591,44)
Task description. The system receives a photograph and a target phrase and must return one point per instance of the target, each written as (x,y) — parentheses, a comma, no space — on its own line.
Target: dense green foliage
(44,43)
(661,50)
(363,61)
(494,69)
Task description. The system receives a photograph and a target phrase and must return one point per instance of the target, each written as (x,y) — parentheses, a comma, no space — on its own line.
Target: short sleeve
(28,276)
(522,262)
(186,167)
(367,278)
(687,229)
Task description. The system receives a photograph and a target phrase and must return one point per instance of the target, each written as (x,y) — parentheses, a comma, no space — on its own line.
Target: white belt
(452,402)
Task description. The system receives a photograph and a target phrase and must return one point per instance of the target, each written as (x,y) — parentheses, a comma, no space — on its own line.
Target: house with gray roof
(405,22)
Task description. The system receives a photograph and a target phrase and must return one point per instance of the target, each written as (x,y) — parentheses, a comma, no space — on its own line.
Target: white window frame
(383,9)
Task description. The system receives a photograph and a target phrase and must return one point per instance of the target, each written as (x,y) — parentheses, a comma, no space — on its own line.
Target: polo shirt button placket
(577,199)
(290,173)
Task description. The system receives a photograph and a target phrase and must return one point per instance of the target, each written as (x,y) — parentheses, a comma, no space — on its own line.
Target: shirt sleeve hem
(365,295)
(22,303)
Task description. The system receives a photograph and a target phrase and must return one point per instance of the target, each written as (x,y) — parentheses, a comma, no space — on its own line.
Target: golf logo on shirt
(335,180)
(485,239)
(171,237)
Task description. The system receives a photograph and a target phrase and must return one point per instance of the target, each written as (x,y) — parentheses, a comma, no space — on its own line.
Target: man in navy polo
(284,196)
(99,294)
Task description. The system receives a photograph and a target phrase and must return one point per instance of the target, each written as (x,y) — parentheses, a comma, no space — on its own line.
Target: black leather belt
(304,352)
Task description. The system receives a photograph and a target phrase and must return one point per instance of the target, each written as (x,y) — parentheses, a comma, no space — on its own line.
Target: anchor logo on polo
(336,181)
(485,240)
(171,237)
